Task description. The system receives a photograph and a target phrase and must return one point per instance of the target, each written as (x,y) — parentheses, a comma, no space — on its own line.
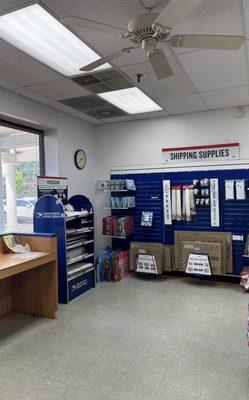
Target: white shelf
(79,244)
(116,237)
(79,231)
(72,217)
(118,208)
(80,268)
(79,258)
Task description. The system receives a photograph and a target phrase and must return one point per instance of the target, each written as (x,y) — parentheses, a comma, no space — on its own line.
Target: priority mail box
(213,250)
(155,249)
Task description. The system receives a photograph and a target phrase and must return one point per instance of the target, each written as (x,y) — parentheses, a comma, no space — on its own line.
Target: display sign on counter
(215,152)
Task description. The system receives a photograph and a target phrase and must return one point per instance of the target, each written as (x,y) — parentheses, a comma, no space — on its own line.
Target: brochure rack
(75,234)
(119,190)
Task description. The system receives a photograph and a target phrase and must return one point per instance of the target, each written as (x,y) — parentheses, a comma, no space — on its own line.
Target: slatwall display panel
(234,214)
(148,198)
(236,218)
(202,220)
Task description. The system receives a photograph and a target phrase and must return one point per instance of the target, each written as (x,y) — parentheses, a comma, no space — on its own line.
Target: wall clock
(80,159)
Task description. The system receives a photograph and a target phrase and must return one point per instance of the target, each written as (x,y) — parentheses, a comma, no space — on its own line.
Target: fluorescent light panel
(131,100)
(36,32)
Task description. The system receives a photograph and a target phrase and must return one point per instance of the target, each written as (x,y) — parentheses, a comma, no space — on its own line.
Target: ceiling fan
(149,29)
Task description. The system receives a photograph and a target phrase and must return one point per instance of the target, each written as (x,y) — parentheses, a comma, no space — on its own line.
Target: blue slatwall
(234,215)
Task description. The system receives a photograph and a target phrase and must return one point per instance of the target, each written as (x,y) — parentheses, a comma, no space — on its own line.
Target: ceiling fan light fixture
(36,32)
(131,100)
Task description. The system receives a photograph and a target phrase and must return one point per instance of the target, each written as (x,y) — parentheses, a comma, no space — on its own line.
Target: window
(20,163)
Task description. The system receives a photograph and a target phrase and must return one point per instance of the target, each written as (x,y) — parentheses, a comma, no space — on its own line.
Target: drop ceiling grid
(26,92)
(212,17)
(244,10)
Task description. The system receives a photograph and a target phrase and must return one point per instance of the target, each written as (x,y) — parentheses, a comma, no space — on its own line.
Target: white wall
(141,142)
(127,143)
(74,134)
(64,134)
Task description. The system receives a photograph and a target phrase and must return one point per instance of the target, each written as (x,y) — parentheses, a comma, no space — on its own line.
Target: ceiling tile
(246,16)
(176,85)
(231,97)
(7,84)
(212,17)
(117,13)
(183,104)
(213,69)
(26,92)
(23,69)
(61,89)
(155,114)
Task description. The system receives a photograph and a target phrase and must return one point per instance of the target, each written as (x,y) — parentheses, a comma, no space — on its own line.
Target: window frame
(39,132)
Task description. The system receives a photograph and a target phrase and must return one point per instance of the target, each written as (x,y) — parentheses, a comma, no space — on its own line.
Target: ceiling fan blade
(207,42)
(80,24)
(160,64)
(107,59)
(175,12)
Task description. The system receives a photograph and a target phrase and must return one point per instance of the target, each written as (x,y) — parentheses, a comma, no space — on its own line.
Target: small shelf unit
(75,235)
(115,210)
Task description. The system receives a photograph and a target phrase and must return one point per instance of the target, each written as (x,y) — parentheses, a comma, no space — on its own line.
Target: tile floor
(143,338)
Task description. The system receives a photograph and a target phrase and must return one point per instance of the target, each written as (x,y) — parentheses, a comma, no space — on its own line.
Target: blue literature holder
(50,217)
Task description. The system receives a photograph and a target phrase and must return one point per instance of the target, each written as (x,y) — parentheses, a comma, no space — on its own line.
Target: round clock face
(80,159)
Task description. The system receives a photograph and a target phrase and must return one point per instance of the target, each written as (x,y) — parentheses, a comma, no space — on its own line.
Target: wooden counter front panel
(35,291)
(6,296)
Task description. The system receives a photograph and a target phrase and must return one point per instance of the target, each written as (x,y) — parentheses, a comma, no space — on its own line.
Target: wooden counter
(28,283)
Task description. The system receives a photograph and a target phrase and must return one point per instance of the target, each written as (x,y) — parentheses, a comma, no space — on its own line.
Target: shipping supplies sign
(214,152)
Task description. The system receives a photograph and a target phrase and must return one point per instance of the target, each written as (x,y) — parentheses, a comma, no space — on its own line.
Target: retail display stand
(75,233)
(120,209)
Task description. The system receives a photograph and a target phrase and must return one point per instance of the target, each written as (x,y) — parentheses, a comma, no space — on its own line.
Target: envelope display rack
(121,201)
(75,234)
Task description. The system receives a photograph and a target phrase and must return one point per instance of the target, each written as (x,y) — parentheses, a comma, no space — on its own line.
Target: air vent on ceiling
(104,81)
(94,106)
(106,112)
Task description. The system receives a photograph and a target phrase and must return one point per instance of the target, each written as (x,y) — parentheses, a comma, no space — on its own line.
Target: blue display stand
(50,217)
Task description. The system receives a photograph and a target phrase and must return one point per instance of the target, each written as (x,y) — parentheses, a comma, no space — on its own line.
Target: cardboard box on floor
(156,249)
(213,250)
(167,257)
(223,238)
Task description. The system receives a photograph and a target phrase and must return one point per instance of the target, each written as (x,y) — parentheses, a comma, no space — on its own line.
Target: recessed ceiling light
(131,100)
(36,32)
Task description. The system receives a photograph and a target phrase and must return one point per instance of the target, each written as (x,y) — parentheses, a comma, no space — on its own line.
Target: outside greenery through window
(19,167)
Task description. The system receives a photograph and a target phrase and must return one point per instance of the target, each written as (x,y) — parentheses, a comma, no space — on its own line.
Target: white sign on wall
(215,152)
(214,202)
(167,203)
